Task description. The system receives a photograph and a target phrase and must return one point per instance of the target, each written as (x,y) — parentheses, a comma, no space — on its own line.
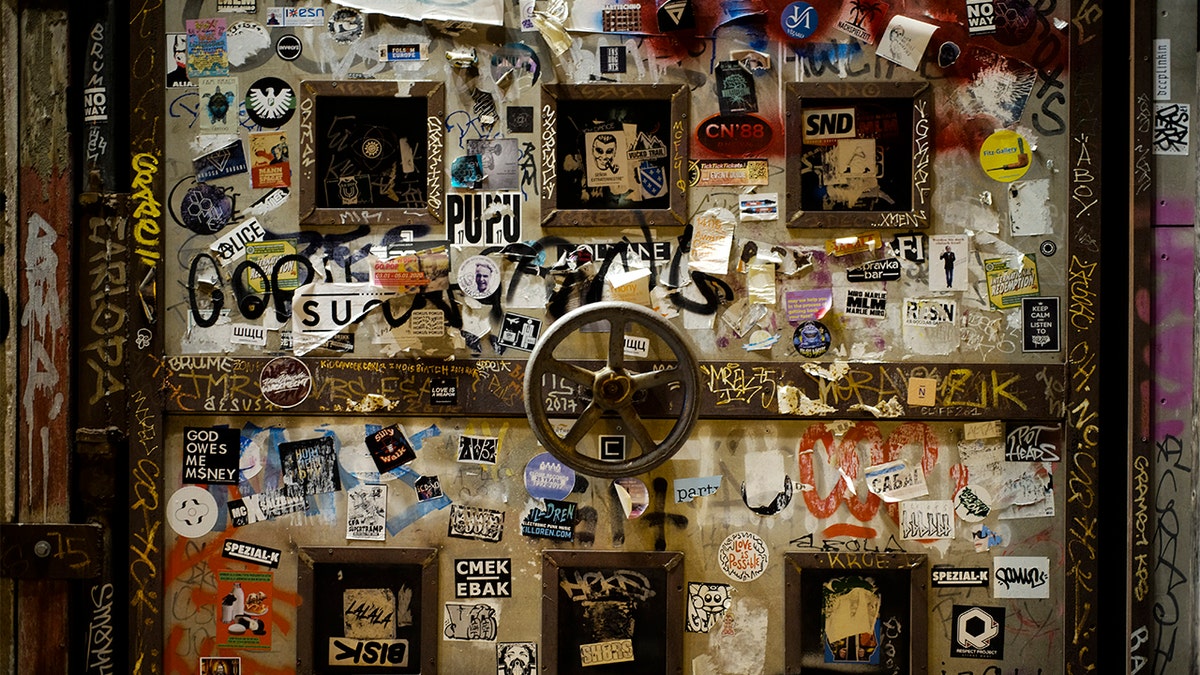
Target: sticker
(265,506)
(952,253)
(910,246)
(633,495)
(296,16)
(806,304)
(516,658)
(478,449)
(972,503)
(811,339)
(929,312)
(366,512)
(408,52)
(981,17)
(1029,207)
(1162,69)
(761,206)
(948,54)
(483,578)
(310,466)
(1021,577)
(904,41)
(612,448)
(600,653)
(242,622)
(516,57)
(346,25)
(443,391)
(896,481)
(777,503)
(269,165)
(1048,248)
(612,59)
(410,272)
(687,489)
(383,652)
(711,173)
(826,124)
(1172,124)
(177,72)
(735,133)
(799,20)
(978,430)
(227,160)
(621,18)
(1006,284)
(977,633)
(1034,443)
(712,241)
(390,448)
(519,332)
(500,160)
(289,47)
(706,606)
(192,512)
(735,89)
(270,102)
(960,577)
(861,20)
(520,119)
(232,246)
(220,665)
(922,391)
(484,219)
(478,277)
(429,488)
(887,269)
(472,522)
(743,556)
(211,455)
(870,304)
(556,521)
(476,622)
(675,15)
(927,519)
(983,538)
(862,243)
(207,48)
(285,381)
(1005,156)
(466,172)
(218,101)
(251,553)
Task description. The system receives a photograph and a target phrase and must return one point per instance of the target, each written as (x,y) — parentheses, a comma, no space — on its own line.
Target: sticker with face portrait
(607,158)
(478,277)
(516,658)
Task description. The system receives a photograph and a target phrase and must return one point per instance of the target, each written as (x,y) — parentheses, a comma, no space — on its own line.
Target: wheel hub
(612,389)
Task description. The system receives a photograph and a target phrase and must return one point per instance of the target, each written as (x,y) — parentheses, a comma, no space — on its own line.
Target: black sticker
(428,487)
(1034,443)
(735,89)
(289,47)
(887,269)
(612,59)
(211,455)
(944,577)
(909,246)
(478,449)
(520,332)
(483,578)
(977,632)
(270,102)
(443,391)
(675,15)
(239,514)
(1040,325)
(472,522)
(1048,248)
(309,466)
(556,521)
(612,448)
(390,448)
(520,119)
(251,553)
(811,339)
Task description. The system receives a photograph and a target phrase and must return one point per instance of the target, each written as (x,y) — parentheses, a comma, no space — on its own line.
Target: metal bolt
(41,549)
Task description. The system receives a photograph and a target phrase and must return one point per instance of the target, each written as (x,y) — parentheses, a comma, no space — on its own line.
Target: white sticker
(896,481)
(232,246)
(192,512)
(478,277)
(637,346)
(366,514)
(743,556)
(1021,577)
(928,519)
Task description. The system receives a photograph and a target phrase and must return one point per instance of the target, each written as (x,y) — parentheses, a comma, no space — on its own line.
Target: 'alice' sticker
(1005,156)
(743,556)
(811,339)
(192,512)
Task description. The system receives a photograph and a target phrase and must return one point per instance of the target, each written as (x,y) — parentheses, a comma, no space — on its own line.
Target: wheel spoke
(638,430)
(570,371)
(616,342)
(582,425)
(655,378)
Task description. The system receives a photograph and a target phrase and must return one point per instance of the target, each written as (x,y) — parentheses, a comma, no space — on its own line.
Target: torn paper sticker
(927,519)
(322,310)
(712,241)
(896,481)
(687,489)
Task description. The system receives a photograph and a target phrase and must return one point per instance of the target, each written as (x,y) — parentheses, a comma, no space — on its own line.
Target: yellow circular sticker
(1005,156)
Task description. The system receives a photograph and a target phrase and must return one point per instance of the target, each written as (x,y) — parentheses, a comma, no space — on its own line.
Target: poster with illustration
(948,264)
(244,613)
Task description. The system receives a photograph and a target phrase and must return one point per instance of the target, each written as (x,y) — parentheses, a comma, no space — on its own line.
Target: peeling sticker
(706,606)
(687,489)
(889,408)
(793,401)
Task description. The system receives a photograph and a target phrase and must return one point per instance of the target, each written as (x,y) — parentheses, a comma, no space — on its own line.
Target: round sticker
(205,209)
(743,556)
(811,339)
(346,25)
(478,277)
(515,56)
(548,478)
(192,512)
(1016,21)
(972,503)
(289,47)
(270,102)
(1048,248)
(1005,156)
(252,458)
(799,20)
(285,381)
(633,495)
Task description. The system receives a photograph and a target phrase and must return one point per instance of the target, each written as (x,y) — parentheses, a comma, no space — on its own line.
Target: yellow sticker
(922,391)
(1005,156)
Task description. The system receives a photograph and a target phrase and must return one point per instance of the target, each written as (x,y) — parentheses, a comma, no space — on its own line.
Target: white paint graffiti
(42,318)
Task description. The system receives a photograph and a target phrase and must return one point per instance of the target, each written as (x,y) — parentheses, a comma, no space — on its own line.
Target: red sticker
(735,134)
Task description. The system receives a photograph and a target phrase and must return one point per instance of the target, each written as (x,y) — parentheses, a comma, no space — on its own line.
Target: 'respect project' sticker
(478,277)
(743,556)
(977,632)
(285,381)
(811,339)
(192,512)
(548,478)
(1005,156)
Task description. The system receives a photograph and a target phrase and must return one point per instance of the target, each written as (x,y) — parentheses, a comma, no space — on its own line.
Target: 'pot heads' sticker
(285,381)
(811,339)
(192,512)
(743,556)
(548,478)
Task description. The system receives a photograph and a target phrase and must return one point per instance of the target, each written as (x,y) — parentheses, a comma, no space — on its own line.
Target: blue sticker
(811,339)
(548,478)
(799,20)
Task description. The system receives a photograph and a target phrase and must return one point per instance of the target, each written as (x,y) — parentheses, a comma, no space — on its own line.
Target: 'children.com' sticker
(1005,156)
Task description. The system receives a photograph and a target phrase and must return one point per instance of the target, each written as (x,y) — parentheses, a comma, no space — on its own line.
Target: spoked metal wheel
(614,388)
